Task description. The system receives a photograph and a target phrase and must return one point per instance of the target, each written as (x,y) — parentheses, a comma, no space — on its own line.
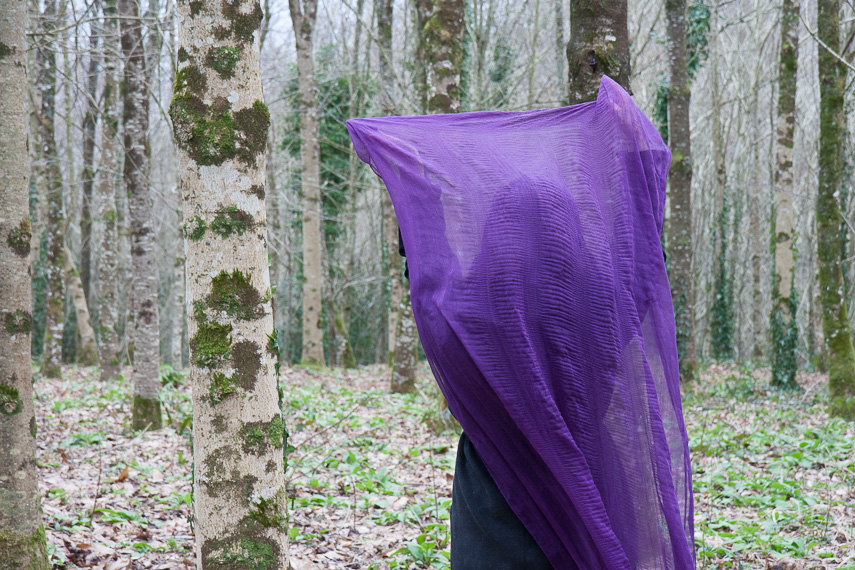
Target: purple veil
(540,294)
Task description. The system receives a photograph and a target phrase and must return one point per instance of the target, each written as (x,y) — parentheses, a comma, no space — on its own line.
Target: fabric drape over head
(540,294)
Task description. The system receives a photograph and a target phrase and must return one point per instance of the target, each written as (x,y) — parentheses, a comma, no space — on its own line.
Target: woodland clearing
(370,482)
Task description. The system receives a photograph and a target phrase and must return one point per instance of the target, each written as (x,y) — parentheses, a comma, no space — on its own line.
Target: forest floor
(370,482)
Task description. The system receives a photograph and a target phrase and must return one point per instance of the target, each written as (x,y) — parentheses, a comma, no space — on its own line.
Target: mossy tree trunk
(146,404)
(599,45)
(88,174)
(22,537)
(220,123)
(55,227)
(680,221)
(404,368)
(835,318)
(106,219)
(784,300)
(303,13)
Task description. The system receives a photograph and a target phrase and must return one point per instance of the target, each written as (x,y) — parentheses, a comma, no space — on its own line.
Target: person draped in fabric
(542,302)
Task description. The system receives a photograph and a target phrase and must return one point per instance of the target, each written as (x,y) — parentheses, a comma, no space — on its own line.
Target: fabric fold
(541,298)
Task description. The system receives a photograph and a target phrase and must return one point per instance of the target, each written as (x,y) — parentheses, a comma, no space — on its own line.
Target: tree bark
(599,45)
(88,174)
(404,369)
(109,345)
(146,404)
(47,82)
(441,52)
(87,351)
(680,221)
(220,123)
(835,318)
(303,14)
(22,536)
(785,331)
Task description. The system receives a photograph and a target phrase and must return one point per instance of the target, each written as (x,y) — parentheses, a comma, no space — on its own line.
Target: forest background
(761,243)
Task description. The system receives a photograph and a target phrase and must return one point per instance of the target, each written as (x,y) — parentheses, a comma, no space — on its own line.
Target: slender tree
(599,45)
(680,221)
(303,13)
(784,299)
(55,227)
(835,318)
(88,174)
(220,122)
(109,346)
(146,405)
(22,537)
(87,350)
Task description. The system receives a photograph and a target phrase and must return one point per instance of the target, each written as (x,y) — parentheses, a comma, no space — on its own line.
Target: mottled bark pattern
(404,369)
(22,538)
(55,229)
(783,324)
(835,319)
(303,14)
(106,219)
(599,45)
(680,221)
(88,174)
(146,405)
(441,52)
(220,123)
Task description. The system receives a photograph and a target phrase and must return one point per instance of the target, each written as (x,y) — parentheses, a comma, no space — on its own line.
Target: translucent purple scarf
(540,294)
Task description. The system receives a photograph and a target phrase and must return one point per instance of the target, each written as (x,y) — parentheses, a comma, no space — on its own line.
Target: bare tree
(22,537)
(303,13)
(680,221)
(220,122)
(835,318)
(784,300)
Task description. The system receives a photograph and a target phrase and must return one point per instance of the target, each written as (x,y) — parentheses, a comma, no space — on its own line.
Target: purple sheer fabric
(540,294)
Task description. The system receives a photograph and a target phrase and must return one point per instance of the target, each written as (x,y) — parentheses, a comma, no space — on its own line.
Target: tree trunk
(51,365)
(22,536)
(785,332)
(404,369)
(303,19)
(441,52)
(599,45)
(109,346)
(384,11)
(88,174)
(680,220)
(835,319)
(146,404)
(220,123)
(87,351)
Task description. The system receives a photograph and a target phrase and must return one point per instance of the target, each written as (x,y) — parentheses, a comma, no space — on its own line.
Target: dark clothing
(485,532)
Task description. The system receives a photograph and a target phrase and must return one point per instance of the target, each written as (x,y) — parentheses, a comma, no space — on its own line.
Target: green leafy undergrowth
(773,475)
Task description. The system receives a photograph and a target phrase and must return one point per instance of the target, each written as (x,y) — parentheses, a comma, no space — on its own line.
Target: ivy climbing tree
(835,317)
(220,123)
(22,537)
(785,332)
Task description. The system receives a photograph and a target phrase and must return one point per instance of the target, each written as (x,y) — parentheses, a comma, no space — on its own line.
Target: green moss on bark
(223,60)
(146,414)
(231,221)
(211,343)
(234,294)
(221,386)
(196,7)
(10,400)
(240,553)
(6,50)
(19,238)
(24,551)
(269,512)
(257,437)
(276,432)
(242,25)
(195,228)
(18,322)
(252,123)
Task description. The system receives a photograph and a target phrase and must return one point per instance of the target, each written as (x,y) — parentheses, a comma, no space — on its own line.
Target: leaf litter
(369,482)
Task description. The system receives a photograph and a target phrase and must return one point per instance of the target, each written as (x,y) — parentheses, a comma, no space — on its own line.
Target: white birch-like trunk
(220,123)
(22,537)
(303,14)
(146,404)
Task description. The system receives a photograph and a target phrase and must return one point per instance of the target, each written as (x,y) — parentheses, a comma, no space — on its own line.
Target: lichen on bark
(16,322)
(10,401)
(19,238)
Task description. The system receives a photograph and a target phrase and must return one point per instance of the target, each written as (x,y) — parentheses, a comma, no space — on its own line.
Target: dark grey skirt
(485,532)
